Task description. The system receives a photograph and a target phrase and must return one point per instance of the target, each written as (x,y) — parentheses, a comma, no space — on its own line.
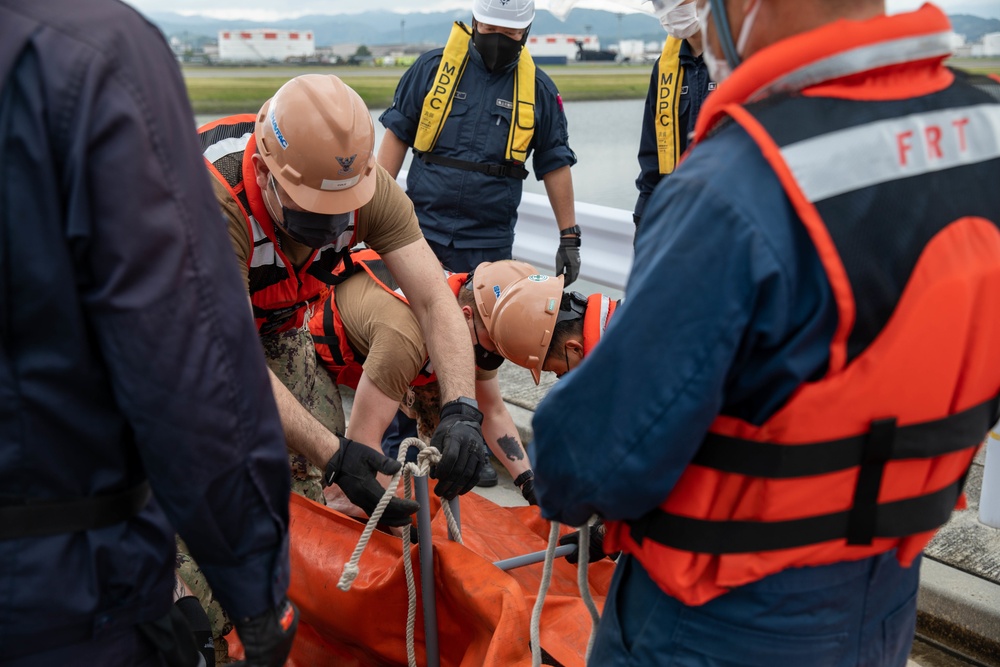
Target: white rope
(426,457)
(582,581)
(543,588)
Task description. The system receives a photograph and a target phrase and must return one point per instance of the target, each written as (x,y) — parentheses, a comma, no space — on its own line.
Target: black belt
(507,170)
(31,518)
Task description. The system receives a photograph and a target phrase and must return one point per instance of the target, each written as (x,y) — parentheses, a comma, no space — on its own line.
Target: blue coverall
(127,349)
(720,228)
(468,217)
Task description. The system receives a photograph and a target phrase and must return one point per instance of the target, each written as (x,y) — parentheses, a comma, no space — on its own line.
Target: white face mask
(718,68)
(681,22)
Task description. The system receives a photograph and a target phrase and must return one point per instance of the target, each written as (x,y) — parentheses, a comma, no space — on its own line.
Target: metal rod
(534,557)
(426,553)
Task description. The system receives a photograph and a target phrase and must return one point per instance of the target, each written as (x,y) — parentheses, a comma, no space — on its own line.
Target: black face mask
(485,360)
(498,50)
(315,230)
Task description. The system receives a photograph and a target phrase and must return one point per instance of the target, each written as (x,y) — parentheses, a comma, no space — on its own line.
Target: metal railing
(607,233)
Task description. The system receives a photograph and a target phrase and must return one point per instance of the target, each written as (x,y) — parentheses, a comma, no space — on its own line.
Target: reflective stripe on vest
(280,296)
(872,456)
(438,101)
(330,337)
(670,77)
(600,308)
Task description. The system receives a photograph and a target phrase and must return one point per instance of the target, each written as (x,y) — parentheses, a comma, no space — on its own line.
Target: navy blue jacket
(463,208)
(127,348)
(695,88)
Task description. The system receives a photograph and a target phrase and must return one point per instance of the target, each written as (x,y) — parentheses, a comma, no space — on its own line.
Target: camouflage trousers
(292,358)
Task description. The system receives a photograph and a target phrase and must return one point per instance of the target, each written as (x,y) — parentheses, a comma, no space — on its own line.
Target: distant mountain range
(973,27)
(382,27)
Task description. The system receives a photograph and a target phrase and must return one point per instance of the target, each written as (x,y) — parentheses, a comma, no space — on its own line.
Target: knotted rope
(427,456)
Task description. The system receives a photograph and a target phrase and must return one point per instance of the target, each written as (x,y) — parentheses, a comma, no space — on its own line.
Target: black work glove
(353,469)
(267,639)
(596,544)
(526,482)
(568,258)
(459,438)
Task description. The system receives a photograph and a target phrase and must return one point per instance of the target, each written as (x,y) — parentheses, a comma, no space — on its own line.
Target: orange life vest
(280,295)
(595,319)
(330,338)
(873,455)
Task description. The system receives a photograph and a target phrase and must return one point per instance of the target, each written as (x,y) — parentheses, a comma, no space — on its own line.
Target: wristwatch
(569,231)
(465,400)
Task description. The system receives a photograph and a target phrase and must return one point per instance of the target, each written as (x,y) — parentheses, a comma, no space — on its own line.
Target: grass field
(231,90)
(217,90)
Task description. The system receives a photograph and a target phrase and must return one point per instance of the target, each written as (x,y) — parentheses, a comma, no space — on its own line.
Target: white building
(265,45)
(991,44)
(553,48)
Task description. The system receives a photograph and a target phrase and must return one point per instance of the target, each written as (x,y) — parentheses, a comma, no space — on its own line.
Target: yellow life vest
(670,80)
(438,101)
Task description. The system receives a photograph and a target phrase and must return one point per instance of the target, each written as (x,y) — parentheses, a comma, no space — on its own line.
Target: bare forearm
(499,429)
(559,188)
(371,414)
(449,348)
(303,432)
(391,153)
(503,440)
(444,328)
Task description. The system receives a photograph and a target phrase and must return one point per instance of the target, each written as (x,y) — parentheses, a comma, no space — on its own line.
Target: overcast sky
(266,10)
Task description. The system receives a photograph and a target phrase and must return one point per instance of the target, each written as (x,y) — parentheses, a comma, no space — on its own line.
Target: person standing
(135,404)
(473,112)
(811,302)
(678,86)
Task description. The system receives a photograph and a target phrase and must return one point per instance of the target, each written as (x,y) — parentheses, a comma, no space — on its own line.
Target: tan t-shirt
(384,330)
(386,223)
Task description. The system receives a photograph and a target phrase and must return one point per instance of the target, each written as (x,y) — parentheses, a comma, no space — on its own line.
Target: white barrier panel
(989,498)
(606,252)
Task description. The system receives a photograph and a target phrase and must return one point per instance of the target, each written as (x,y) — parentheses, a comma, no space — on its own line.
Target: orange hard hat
(490,279)
(524,318)
(317,138)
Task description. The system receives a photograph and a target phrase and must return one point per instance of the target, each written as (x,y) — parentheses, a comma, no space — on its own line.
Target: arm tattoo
(511,448)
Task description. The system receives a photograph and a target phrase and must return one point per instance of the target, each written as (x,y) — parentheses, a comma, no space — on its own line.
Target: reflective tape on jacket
(280,295)
(873,455)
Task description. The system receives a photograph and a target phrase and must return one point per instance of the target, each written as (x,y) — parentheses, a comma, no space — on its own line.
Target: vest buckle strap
(505,170)
(878,451)
(895,520)
(779,461)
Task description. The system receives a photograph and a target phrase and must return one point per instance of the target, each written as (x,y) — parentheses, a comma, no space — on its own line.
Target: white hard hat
(517,14)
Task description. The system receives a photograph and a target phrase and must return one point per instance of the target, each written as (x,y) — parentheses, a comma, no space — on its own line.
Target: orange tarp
(483,612)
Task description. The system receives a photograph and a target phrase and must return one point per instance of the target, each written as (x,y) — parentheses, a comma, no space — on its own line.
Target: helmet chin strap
(725,33)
